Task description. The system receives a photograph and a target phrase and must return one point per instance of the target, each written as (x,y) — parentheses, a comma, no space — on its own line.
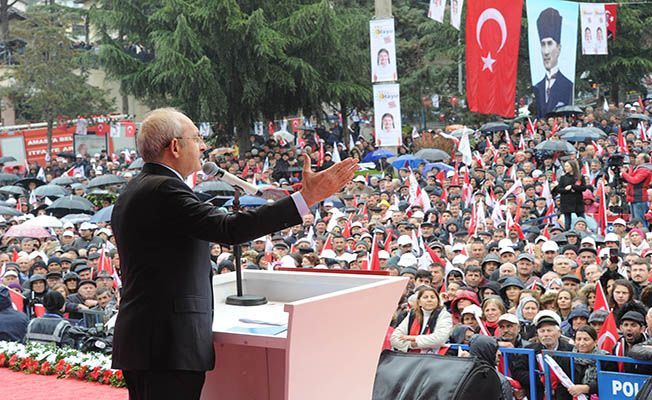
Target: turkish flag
(492,36)
(611,10)
(130,129)
(101,129)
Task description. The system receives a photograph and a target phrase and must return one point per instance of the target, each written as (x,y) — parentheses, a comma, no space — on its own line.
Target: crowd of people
(512,245)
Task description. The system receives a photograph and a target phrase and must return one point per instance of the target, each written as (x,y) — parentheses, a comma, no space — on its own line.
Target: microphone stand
(240,299)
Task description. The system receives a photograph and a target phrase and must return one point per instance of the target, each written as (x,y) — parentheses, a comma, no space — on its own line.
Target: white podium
(336,324)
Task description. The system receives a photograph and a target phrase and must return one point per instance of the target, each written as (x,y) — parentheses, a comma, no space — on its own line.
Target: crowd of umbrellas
(57,200)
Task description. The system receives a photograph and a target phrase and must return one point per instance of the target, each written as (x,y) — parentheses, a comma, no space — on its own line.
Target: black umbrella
(28,181)
(70,204)
(137,164)
(575,134)
(432,155)
(5,177)
(642,117)
(565,110)
(17,190)
(555,145)
(66,154)
(64,180)
(51,191)
(7,159)
(494,127)
(9,211)
(106,180)
(215,188)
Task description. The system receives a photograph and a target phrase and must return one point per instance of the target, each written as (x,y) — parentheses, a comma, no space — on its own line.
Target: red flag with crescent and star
(492,36)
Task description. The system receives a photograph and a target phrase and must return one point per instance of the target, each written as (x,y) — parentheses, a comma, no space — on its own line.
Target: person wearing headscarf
(485,349)
(527,309)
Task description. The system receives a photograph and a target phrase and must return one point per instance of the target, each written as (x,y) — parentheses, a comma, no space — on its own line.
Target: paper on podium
(259,330)
(269,319)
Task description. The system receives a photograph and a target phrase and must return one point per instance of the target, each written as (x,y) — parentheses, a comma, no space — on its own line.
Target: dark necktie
(548,85)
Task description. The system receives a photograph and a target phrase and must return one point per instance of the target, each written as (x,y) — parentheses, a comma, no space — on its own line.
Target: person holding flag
(13,323)
(549,333)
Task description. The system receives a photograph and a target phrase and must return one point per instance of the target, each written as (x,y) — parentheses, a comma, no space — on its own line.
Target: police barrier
(506,351)
(611,385)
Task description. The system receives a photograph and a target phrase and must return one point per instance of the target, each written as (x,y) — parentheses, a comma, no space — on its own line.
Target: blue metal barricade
(506,351)
(611,385)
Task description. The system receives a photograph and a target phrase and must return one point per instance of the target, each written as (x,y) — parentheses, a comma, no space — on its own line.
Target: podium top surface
(281,289)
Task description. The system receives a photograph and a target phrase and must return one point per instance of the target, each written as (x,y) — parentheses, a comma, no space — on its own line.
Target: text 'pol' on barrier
(611,385)
(506,351)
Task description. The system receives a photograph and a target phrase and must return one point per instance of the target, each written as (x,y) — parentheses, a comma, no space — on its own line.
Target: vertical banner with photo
(552,43)
(383,50)
(456,13)
(594,29)
(387,115)
(436,10)
(611,10)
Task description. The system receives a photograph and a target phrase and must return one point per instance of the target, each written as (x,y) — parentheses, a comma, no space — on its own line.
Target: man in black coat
(13,324)
(549,334)
(554,90)
(163,340)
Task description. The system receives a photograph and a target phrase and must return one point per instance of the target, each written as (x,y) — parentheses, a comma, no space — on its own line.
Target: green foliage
(49,79)
(237,61)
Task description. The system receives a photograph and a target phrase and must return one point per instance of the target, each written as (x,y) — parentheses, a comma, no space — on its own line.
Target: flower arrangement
(42,359)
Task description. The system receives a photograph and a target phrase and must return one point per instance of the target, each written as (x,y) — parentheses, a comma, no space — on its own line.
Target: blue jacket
(13,324)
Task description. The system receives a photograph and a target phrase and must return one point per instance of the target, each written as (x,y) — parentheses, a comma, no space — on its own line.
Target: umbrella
(106,180)
(67,155)
(494,127)
(377,155)
(51,191)
(432,155)
(71,204)
(337,203)
(555,145)
(76,218)
(44,221)
(7,159)
(247,201)
(17,190)
(565,110)
(441,166)
(460,132)
(215,188)
(103,215)
(27,231)
(63,180)
(5,177)
(642,117)
(10,168)
(75,186)
(306,128)
(28,181)
(9,211)
(137,164)
(411,160)
(574,134)
(285,135)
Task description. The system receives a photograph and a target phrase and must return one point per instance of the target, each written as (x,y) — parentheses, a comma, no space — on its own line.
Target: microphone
(211,169)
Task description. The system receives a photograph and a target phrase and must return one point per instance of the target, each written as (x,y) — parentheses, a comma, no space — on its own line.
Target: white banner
(456,13)
(594,28)
(387,115)
(383,50)
(436,10)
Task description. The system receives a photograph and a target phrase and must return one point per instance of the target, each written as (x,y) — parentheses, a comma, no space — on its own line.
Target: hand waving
(317,186)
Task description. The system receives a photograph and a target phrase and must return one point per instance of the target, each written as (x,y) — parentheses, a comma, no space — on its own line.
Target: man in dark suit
(549,335)
(163,340)
(554,90)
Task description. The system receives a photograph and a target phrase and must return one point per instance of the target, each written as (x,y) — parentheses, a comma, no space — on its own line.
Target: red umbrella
(27,231)
(10,168)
